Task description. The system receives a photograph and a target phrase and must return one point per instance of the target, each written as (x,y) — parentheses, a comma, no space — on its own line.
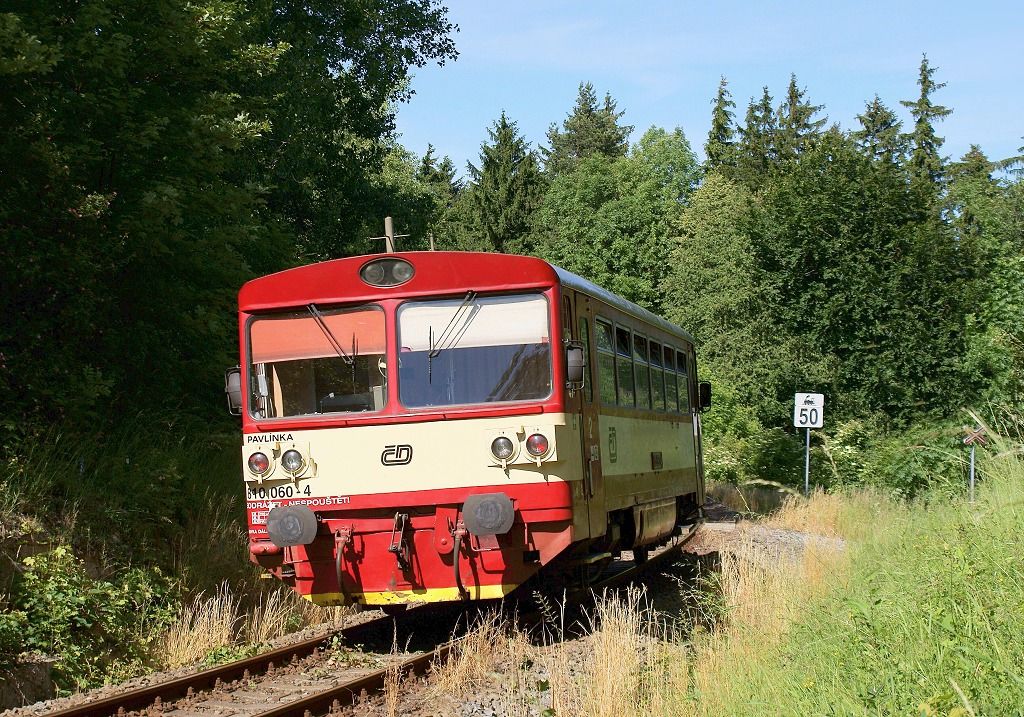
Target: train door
(590,433)
(698,452)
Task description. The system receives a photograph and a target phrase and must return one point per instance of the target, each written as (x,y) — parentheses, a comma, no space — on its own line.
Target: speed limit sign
(809,410)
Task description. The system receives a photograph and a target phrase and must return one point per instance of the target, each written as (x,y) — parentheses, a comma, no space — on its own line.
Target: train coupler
(342,537)
(399,546)
(459,534)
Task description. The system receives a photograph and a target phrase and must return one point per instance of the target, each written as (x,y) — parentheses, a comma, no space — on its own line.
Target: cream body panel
(626,447)
(348,461)
(635,438)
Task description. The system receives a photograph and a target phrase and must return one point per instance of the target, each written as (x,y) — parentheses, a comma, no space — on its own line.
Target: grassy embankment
(125,554)
(922,613)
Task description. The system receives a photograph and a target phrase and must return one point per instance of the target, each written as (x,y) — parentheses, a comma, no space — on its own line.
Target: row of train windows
(636,372)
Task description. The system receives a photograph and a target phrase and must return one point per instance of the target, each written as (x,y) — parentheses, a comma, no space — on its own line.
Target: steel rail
(207,679)
(347,693)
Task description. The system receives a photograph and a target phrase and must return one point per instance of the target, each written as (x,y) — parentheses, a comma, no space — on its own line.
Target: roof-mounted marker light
(386,272)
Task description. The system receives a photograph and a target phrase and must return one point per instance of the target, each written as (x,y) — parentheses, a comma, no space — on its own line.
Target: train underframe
(411,554)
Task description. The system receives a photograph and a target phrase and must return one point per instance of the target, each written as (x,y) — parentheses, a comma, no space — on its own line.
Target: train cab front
(405,448)
(403,544)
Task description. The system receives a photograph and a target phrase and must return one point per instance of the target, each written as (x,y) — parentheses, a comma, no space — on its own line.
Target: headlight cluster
(261,465)
(505,449)
(386,272)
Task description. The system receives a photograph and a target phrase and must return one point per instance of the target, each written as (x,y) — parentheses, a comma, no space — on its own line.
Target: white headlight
(292,461)
(502,448)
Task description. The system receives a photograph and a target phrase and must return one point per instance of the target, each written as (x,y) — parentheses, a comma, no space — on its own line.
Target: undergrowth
(135,535)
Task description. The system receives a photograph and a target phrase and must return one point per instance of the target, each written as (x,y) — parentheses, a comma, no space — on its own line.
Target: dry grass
(218,621)
(310,614)
(392,689)
(631,663)
(761,596)
(204,625)
(628,664)
(491,645)
(821,513)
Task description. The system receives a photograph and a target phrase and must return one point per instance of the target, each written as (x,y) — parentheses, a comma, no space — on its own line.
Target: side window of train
(643,372)
(605,363)
(670,379)
(583,331)
(624,367)
(682,365)
(566,318)
(657,377)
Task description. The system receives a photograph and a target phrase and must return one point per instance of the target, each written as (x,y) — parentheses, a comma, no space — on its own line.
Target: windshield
(314,362)
(474,350)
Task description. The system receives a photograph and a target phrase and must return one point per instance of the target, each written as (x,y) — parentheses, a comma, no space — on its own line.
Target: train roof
(436,272)
(573,281)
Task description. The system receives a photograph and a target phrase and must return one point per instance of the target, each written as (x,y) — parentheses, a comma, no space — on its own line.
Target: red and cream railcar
(434,426)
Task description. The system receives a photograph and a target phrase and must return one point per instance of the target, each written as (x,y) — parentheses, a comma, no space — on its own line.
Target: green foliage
(591,129)
(856,274)
(797,126)
(13,625)
(98,630)
(162,155)
(757,149)
(610,220)
(926,164)
(507,188)
(720,145)
(927,622)
(879,137)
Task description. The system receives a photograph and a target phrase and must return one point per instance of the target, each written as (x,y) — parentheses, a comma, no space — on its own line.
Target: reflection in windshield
(299,366)
(499,349)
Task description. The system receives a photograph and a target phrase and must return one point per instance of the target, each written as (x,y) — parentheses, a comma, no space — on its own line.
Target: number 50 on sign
(809,410)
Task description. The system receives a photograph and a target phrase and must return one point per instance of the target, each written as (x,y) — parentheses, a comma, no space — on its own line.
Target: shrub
(98,630)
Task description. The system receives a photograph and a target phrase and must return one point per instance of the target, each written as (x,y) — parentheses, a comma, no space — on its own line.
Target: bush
(13,624)
(99,631)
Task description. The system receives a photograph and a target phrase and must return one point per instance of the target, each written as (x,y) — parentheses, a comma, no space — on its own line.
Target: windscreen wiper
(319,318)
(449,336)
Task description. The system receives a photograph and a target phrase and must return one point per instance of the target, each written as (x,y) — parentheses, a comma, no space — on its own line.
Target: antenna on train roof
(389,236)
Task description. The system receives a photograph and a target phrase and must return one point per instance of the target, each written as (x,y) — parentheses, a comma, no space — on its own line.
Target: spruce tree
(720,147)
(507,187)
(797,126)
(590,129)
(879,137)
(757,150)
(926,164)
(973,165)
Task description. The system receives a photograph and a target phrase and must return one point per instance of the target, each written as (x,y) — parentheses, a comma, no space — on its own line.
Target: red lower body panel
(400,547)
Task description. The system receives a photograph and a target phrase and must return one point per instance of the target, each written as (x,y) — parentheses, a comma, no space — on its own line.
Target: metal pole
(807,465)
(389,236)
(971,493)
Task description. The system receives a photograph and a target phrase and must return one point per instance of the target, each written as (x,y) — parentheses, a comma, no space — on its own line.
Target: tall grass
(629,663)
(204,626)
(928,618)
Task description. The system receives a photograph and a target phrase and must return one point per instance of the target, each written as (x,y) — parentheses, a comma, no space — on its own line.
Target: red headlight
(537,444)
(259,463)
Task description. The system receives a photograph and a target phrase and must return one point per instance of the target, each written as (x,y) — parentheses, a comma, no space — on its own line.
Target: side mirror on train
(575,365)
(704,395)
(233,390)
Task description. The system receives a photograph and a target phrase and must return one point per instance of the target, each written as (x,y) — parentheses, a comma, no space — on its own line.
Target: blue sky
(661,62)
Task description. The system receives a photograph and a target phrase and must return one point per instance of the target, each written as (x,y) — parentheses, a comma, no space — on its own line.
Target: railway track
(322,674)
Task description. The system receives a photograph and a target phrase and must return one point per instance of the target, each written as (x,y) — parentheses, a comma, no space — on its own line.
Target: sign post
(973,439)
(808,413)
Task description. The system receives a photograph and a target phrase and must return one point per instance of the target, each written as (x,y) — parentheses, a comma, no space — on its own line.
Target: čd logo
(397,455)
